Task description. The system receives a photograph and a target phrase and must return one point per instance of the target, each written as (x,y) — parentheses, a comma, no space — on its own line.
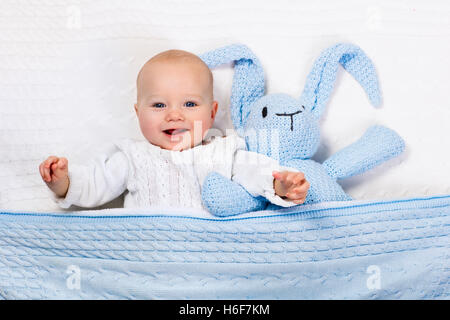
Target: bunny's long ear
(248,80)
(321,79)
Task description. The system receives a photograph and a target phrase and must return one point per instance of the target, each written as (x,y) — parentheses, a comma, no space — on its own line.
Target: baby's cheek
(148,128)
(143,125)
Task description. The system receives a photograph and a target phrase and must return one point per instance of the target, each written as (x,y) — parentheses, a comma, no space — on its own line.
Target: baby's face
(175,104)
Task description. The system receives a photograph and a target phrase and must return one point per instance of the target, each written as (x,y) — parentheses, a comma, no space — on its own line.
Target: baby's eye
(190,104)
(158,105)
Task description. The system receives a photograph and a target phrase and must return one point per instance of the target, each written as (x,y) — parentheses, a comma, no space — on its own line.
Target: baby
(175,108)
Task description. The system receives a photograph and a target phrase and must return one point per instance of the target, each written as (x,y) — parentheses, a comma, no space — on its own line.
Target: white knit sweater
(158,177)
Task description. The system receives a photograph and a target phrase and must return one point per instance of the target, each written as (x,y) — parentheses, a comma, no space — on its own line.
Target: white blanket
(68,70)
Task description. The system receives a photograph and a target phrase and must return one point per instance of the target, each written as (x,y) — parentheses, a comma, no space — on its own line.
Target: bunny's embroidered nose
(291,115)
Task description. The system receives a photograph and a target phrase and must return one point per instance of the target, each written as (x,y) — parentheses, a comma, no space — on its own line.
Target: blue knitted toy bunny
(296,124)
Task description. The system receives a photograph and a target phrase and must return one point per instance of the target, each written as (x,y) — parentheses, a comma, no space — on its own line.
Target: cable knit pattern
(287,129)
(160,177)
(321,251)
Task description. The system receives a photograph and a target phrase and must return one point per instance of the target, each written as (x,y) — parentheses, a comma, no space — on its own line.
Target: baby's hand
(291,185)
(54,171)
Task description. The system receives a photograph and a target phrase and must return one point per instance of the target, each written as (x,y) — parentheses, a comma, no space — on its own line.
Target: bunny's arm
(377,145)
(223,197)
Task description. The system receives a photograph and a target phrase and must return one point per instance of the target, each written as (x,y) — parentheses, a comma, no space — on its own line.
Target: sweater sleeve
(254,172)
(100,181)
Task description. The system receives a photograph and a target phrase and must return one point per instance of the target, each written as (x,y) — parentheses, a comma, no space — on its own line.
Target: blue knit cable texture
(319,251)
(287,129)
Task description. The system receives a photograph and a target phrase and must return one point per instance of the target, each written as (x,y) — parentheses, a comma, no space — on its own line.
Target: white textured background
(68,69)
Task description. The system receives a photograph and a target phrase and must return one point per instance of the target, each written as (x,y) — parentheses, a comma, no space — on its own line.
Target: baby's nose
(174,114)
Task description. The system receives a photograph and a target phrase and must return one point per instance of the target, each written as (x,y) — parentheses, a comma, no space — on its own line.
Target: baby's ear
(215,106)
(136,108)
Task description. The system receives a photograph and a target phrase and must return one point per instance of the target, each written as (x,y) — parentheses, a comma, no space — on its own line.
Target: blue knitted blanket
(338,250)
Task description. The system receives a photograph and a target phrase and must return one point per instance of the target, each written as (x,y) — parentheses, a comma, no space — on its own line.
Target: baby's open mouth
(173,132)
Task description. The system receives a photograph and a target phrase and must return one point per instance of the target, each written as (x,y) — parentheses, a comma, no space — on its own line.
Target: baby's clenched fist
(54,171)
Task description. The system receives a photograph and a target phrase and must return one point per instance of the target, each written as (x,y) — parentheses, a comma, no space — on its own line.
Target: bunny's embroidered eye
(264,112)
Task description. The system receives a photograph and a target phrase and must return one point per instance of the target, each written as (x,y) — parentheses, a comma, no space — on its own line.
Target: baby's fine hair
(176,55)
